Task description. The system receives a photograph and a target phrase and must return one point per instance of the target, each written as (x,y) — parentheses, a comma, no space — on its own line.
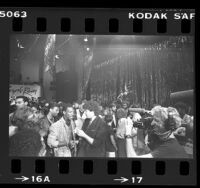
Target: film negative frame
(96,171)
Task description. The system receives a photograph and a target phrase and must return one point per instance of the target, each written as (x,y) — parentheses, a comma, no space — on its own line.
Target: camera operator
(163,143)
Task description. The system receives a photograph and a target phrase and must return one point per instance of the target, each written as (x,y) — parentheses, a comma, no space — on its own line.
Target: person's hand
(79,132)
(136,117)
(181,131)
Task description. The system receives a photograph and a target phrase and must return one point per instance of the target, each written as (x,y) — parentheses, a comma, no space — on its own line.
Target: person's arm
(93,141)
(113,141)
(89,139)
(82,134)
(44,126)
(129,144)
(52,137)
(131,151)
(52,140)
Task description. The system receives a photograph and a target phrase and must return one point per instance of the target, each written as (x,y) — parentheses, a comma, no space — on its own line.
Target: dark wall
(66,85)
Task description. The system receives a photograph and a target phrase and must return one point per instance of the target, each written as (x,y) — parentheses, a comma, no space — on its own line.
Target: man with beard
(22,112)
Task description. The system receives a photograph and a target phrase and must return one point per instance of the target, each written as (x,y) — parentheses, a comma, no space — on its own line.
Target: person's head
(68,111)
(61,106)
(35,107)
(106,111)
(121,113)
(125,104)
(165,121)
(26,143)
(182,108)
(91,109)
(108,118)
(76,105)
(53,109)
(113,107)
(21,115)
(21,102)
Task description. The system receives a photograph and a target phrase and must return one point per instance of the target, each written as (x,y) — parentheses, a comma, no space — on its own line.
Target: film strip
(86,23)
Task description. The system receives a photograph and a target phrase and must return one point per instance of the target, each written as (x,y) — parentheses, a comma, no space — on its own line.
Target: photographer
(163,143)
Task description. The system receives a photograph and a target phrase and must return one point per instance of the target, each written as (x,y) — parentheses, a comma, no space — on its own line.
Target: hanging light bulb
(20,46)
(56,56)
(85,39)
(87,49)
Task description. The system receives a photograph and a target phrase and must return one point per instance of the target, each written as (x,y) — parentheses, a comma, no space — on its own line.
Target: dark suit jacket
(97,130)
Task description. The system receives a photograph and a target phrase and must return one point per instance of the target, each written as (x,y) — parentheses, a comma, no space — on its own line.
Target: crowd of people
(87,129)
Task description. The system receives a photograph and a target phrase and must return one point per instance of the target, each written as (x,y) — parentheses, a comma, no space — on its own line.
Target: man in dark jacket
(93,134)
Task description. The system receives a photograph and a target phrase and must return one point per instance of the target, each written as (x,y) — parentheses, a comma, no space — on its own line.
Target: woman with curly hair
(93,133)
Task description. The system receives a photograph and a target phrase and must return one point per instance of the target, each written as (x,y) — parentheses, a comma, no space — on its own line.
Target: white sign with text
(25,90)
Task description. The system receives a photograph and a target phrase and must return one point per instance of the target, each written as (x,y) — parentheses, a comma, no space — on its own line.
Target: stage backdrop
(145,75)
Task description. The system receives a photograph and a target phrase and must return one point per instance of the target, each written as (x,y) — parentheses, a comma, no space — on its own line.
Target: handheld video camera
(145,121)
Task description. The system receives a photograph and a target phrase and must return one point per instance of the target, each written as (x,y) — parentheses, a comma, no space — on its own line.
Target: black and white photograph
(105,96)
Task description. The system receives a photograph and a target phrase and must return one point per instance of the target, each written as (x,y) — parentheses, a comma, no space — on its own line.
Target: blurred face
(20,103)
(114,108)
(125,106)
(105,112)
(34,109)
(54,111)
(76,105)
(100,108)
(157,121)
(69,114)
(81,108)
(89,114)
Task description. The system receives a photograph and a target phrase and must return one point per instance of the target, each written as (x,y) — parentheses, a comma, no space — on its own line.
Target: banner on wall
(25,90)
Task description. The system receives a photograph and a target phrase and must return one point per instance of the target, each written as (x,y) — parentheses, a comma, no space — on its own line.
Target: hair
(53,105)
(113,104)
(25,99)
(76,102)
(169,116)
(25,143)
(175,120)
(36,105)
(20,116)
(66,105)
(121,113)
(92,106)
(49,105)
